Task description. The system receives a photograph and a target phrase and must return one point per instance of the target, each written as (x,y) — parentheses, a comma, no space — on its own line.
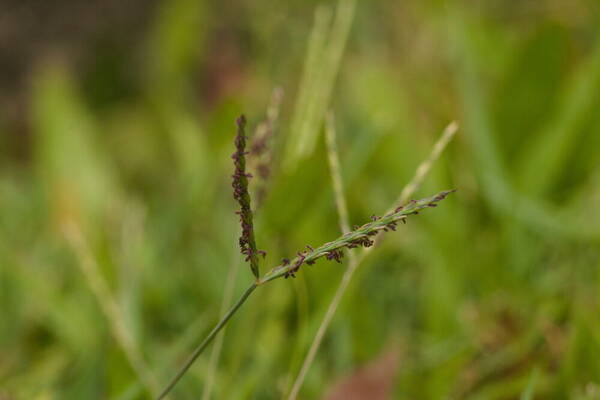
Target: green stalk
(207,341)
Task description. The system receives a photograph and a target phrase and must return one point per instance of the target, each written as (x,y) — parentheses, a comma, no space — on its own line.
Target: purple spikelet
(240,193)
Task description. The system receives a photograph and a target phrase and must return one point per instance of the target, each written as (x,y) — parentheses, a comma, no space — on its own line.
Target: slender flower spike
(360,236)
(240,193)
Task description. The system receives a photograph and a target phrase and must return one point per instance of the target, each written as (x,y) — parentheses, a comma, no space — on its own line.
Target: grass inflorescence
(360,236)
(240,193)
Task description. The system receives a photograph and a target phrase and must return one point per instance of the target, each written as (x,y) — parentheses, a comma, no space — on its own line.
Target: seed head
(240,193)
(360,236)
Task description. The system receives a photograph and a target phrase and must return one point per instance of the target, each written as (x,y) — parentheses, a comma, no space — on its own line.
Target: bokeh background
(117,232)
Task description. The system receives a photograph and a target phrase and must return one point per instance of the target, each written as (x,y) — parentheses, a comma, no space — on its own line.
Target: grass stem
(206,342)
(216,352)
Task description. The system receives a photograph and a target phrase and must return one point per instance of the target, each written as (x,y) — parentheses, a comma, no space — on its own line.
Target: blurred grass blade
(228,293)
(493,178)
(175,43)
(316,46)
(542,160)
(75,175)
(335,171)
(425,166)
(530,388)
(325,50)
(109,306)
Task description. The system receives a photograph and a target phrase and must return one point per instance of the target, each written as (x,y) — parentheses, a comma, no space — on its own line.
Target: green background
(124,139)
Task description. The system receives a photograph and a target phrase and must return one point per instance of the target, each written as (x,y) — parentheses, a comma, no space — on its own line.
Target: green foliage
(492,296)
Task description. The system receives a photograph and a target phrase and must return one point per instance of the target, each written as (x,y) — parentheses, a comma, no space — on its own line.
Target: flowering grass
(491,296)
(359,236)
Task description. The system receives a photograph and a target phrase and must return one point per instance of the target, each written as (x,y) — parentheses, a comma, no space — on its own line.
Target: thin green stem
(228,294)
(207,341)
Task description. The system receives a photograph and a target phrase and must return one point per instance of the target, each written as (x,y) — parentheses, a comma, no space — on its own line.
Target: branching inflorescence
(360,236)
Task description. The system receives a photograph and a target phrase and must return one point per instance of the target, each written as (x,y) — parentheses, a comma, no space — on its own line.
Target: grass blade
(325,51)
(530,388)
(109,306)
